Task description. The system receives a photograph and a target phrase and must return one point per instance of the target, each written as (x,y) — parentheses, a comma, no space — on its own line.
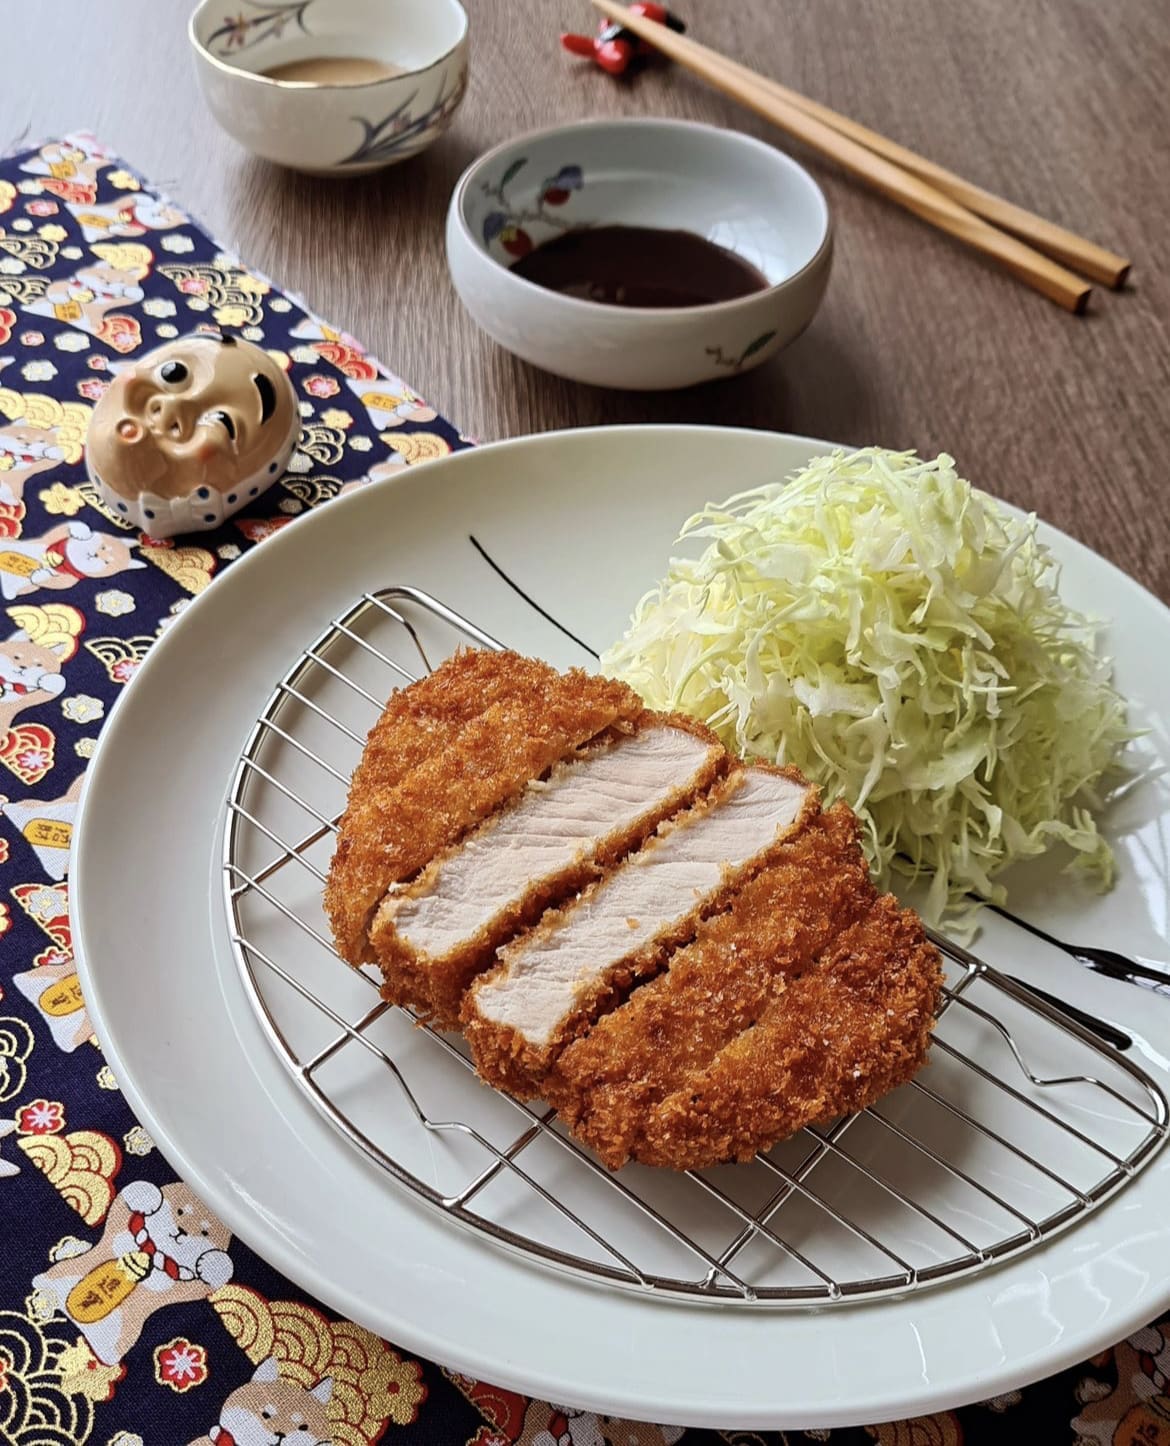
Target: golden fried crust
(777,926)
(437,985)
(507,1060)
(444,754)
(834,1040)
(414,722)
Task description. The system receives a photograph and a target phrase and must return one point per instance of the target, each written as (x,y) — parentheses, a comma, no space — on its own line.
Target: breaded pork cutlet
(680,952)
(434,934)
(445,753)
(753,965)
(554,981)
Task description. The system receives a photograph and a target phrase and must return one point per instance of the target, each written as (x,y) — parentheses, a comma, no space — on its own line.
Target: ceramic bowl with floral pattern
(332,87)
(732,190)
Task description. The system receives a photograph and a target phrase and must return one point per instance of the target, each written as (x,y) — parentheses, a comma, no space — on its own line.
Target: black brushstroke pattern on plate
(532,603)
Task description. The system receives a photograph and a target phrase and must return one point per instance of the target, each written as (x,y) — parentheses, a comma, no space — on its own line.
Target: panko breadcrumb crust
(798,995)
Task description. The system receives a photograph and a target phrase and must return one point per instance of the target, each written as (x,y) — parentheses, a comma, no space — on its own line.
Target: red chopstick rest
(614,48)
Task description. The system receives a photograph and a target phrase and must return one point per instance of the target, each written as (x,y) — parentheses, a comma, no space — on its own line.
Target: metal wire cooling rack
(1021,1124)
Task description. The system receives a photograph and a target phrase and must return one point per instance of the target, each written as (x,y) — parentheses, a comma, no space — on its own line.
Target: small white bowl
(327,128)
(733,190)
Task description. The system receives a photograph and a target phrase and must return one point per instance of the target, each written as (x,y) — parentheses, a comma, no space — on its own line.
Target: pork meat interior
(552,981)
(433,935)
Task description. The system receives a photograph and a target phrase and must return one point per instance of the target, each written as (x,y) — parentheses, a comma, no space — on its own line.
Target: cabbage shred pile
(893,632)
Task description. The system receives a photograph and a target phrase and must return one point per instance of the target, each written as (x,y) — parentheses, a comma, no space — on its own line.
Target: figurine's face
(200,412)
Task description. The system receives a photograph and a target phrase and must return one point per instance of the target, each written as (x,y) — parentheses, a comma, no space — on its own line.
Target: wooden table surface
(1060,106)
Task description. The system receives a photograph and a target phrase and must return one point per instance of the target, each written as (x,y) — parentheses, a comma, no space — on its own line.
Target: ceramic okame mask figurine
(192,432)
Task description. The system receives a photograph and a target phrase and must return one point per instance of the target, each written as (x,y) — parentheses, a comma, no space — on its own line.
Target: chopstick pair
(947,201)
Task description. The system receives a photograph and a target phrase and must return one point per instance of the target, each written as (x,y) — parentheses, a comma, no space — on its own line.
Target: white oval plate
(583,521)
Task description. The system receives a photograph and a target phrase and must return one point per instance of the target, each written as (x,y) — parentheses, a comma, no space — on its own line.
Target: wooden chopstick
(910,191)
(1083,256)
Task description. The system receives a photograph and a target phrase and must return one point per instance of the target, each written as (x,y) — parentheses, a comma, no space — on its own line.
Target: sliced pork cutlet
(836,1039)
(776,927)
(552,982)
(433,935)
(445,753)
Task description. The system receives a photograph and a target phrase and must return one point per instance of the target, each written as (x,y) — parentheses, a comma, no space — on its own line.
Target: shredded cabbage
(897,635)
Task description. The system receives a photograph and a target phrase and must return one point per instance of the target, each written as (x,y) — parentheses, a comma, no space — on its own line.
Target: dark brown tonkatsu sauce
(640,266)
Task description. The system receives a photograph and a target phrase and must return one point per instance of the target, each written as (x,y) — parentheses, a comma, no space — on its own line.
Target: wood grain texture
(1061,107)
